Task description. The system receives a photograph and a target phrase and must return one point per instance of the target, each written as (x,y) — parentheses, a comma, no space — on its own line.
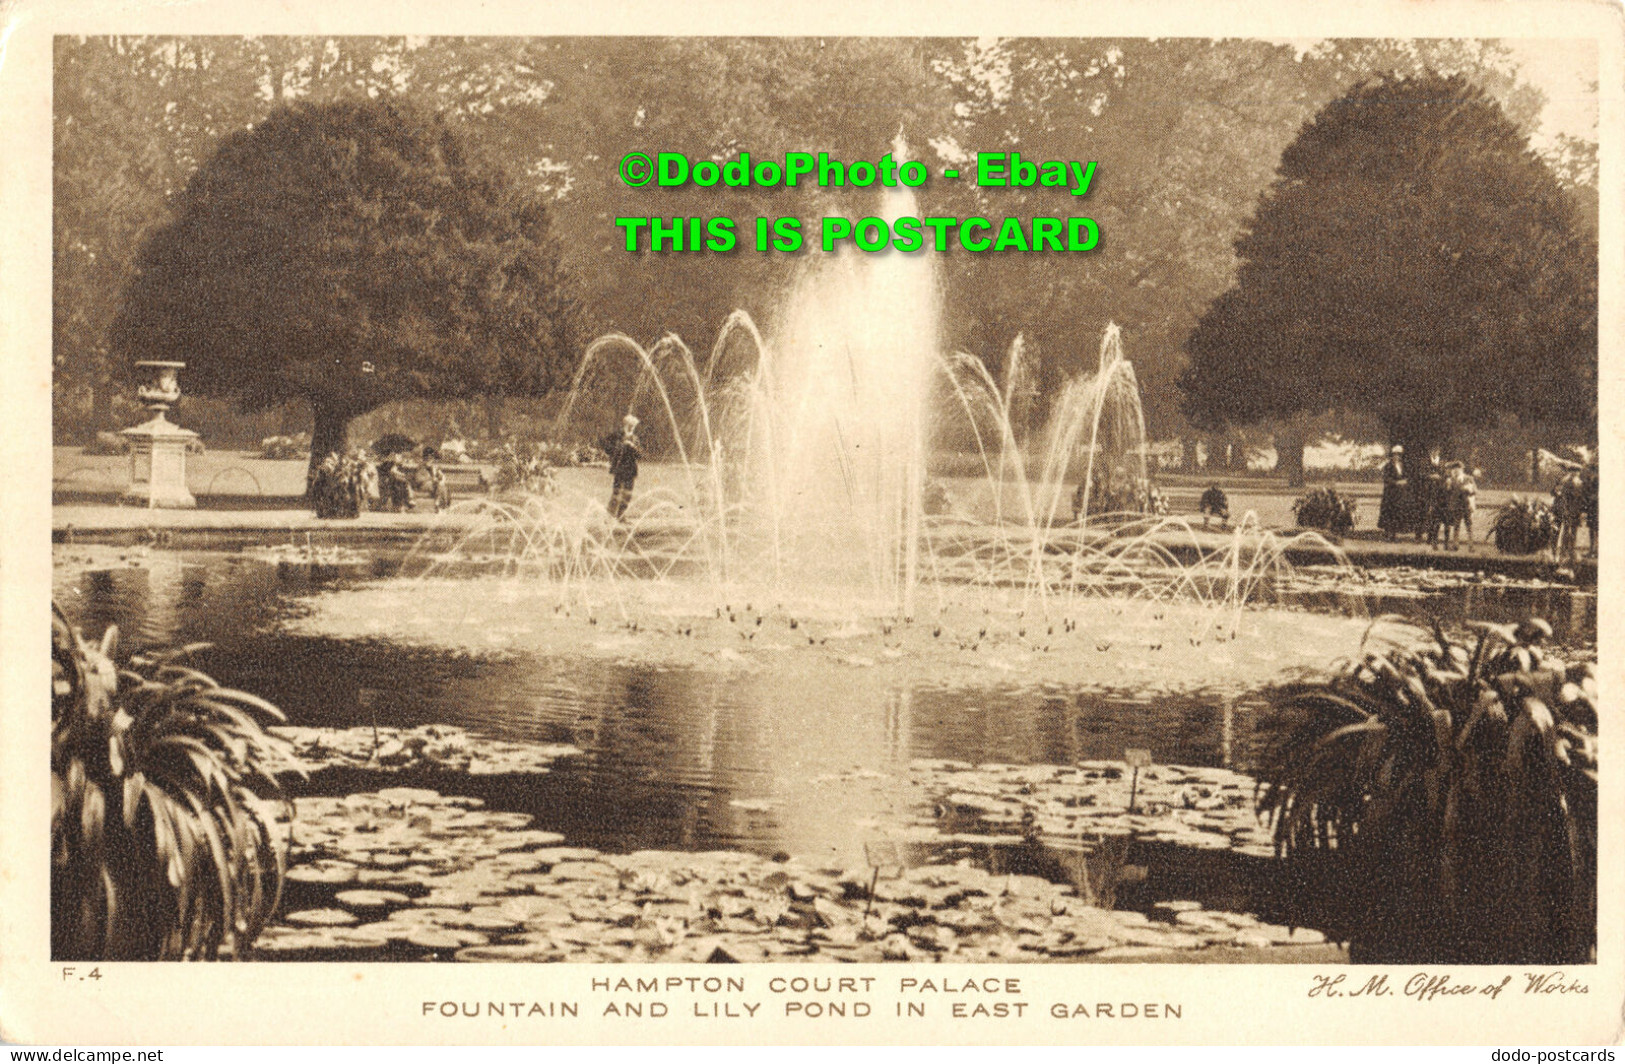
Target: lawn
(238,473)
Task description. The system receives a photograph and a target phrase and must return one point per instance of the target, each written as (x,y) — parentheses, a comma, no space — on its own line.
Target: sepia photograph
(437,578)
(885,500)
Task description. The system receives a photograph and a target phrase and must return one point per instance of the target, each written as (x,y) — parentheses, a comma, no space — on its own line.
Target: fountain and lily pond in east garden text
(803,702)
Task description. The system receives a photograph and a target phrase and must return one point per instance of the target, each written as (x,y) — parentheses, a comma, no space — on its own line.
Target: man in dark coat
(1392,514)
(1429,505)
(1214,503)
(1591,498)
(394,486)
(624,453)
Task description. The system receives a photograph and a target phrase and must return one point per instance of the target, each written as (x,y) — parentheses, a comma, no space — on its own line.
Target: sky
(1566,71)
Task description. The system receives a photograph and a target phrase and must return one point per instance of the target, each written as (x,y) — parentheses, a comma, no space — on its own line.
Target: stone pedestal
(158,447)
(158,465)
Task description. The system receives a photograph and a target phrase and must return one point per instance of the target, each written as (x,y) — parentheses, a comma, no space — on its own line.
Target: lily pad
(321,918)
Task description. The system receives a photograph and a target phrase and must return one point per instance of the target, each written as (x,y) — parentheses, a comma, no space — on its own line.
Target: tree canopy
(136,116)
(348,254)
(1413,260)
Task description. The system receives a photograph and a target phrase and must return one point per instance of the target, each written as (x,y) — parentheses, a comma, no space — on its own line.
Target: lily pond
(496,773)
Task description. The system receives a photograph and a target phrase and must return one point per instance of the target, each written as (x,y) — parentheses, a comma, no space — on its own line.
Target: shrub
(935,500)
(1323,508)
(162,847)
(286,448)
(1524,526)
(106,443)
(1449,796)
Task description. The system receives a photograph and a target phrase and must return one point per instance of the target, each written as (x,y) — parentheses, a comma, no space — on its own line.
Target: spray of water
(801,467)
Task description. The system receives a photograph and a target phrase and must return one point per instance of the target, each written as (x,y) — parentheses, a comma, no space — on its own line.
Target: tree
(349,254)
(1413,260)
(1174,184)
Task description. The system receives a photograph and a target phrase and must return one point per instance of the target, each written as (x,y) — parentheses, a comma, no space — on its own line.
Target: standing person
(624,453)
(326,489)
(1568,508)
(386,486)
(441,489)
(1391,515)
(369,480)
(396,490)
(1456,503)
(1429,511)
(1591,502)
(350,487)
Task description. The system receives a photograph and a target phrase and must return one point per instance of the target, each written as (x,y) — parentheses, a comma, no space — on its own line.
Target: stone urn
(157,446)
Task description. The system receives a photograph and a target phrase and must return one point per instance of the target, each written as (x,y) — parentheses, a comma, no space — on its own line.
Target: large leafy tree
(1175,183)
(1173,187)
(348,254)
(1413,260)
(557,113)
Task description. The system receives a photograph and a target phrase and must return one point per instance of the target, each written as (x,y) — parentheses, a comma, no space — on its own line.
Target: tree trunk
(101,399)
(1418,447)
(330,435)
(292,418)
(1289,457)
(493,418)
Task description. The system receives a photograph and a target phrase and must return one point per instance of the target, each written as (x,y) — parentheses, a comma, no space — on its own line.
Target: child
(623,466)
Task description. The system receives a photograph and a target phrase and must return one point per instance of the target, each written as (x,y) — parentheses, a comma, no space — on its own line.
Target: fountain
(797,467)
(842,406)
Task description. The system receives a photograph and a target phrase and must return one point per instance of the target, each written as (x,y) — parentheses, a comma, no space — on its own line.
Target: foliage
(348,254)
(1382,272)
(393,443)
(135,116)
(282,448)
(1324,508)
(106,443)
(1524,526)
(1451,793)
(1174,183)
(161,845)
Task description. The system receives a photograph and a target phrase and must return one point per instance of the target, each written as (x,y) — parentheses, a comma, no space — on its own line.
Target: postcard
(934,524)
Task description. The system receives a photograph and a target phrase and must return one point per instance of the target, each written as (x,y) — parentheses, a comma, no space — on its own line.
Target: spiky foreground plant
(1450,794)
(161,848)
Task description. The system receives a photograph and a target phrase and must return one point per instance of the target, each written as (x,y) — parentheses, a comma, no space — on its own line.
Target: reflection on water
(803,758)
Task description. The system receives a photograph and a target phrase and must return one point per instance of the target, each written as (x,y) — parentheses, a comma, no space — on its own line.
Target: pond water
(805,757)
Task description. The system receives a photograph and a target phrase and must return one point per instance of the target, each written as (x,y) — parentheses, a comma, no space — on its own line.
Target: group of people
(343,486)
(530,472)
(1576,501)
(1426,499)
(1117,492)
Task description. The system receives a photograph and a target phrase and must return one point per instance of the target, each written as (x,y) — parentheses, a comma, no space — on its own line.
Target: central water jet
(842,402)
(796,469)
